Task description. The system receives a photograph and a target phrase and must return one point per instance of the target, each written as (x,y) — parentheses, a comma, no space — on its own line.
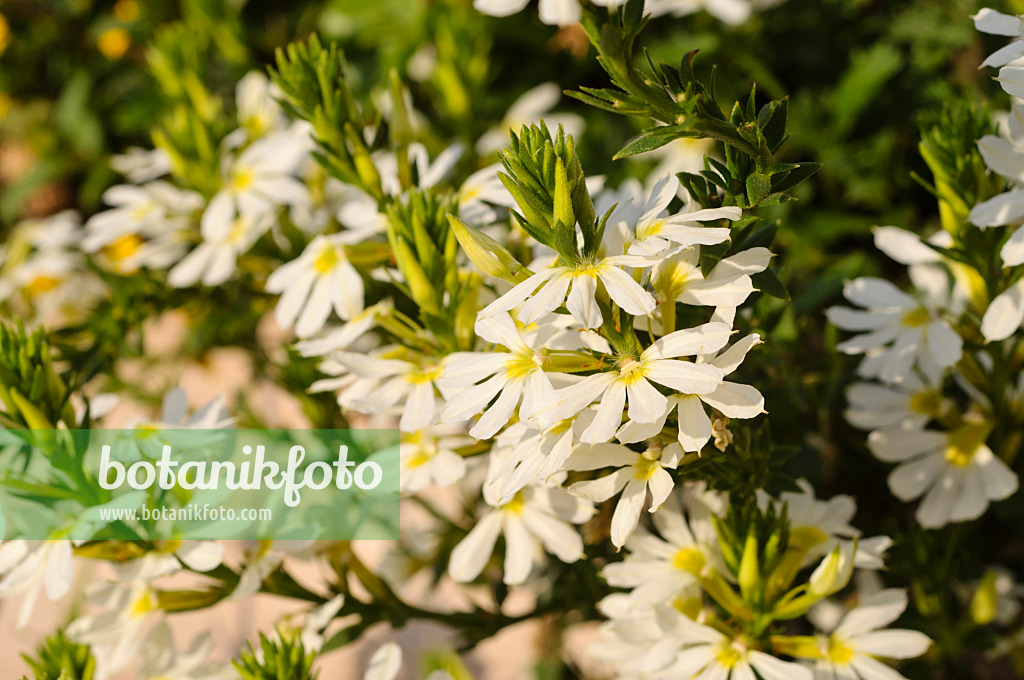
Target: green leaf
(651,141)
(788,180)
(758,188)
(868,73)
(769,282)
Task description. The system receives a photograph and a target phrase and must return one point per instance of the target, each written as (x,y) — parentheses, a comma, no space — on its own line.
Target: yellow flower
(113,43)
(5,33)
(126,11)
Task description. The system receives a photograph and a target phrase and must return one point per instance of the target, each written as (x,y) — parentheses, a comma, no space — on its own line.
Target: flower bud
(834,572)
(486,254)
(985,603)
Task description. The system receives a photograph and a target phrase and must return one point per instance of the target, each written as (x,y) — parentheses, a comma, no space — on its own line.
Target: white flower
(1005,313)
(140,165)
(1005,155)
(657,569)
(733,400)
(818,526)
(174,414)
(545,291)
(997,23)
(679,277)
(681,155)
(162,661)
(427,457)
(482,190)
(408,385)
(386,662)
(428,173)
(732,12)
(168,557)
(851,650)
(957,473)
(636,474)
(514,375)
(651,230)
(908,405)
(112,630)
(343,336)
(258,110)
(535,518)
(263,557)
(261,178)
(27,567)
(215,259)
(148,210)
(531,106)
(383,383)
(316,622)
(319,279)
(657,363)
(529,455)
(901,330)
(707,653)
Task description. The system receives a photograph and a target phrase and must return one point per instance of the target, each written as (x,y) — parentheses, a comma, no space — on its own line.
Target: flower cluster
(574,365)
(692,607)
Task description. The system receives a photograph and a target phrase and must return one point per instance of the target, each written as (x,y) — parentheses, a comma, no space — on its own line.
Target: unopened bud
(985,603)
(834,572)
(486,254)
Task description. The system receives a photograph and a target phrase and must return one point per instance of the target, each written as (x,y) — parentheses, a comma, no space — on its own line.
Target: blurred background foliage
(82,79)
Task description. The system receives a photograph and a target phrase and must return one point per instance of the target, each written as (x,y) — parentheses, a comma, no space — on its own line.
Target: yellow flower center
(168,547)
(729,656)
(964,442)
(673,278)
(419,459)
(327,259)
(257,125)
(425,375)
(144,603)
(649,229)
(631,371)
(515,506)
(927,402)
(522,365)
(959,457)
(241,179)
(839,652)
(560,427)
(689,560)
(645,468)
(916,318)
(239,228)
(123,247)
(41,284)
